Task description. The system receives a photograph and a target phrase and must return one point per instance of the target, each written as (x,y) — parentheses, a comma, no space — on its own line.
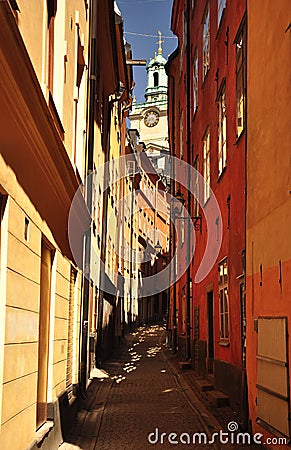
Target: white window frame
(206,41)
(206,164)
(223,301)
(195,82)
(181,133)
(240,41)
(196,187)
(222,149)
(221,4)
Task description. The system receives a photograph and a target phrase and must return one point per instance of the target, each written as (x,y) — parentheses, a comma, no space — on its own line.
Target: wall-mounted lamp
(119,93)
(178,202)
(158,247)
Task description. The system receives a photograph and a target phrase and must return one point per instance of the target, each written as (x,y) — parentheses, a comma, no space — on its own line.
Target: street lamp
(178,202)
(158,247)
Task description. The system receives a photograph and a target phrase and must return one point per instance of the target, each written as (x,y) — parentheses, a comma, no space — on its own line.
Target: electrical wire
(149,35)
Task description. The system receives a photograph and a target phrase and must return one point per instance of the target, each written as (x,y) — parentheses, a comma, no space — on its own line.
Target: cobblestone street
(137,401)
(140,396)
(145,398)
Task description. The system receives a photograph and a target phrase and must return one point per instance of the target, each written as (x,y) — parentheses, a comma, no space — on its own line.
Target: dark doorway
(242,296)
(210,332)
(44,334)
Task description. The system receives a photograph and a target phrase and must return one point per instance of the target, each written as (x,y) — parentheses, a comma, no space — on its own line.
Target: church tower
(150,117)
(157,80)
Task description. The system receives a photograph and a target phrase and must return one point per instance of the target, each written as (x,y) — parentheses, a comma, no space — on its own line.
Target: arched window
(156,79)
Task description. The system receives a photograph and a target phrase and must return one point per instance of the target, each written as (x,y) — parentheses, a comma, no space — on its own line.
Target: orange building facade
(207,129)
(268,218)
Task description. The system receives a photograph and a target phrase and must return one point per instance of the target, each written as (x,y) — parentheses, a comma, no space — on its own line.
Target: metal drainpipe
(172,231)
(188,88)
(87,238)
(104,240)
(131,254)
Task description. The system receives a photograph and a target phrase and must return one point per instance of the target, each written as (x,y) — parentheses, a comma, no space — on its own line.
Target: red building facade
(207,101)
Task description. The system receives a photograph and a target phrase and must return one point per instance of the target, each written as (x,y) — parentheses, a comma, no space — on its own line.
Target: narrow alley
(141,400)
(136,402)
(145,216)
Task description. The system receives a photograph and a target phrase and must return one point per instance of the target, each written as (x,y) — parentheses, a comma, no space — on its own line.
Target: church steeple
(157,80)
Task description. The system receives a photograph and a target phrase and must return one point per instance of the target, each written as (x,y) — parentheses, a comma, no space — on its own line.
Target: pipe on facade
(188,144)
(172,230)
(173,256)
(99,346)
(88,194)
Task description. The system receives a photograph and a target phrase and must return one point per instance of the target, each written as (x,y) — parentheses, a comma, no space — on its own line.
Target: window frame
(221,5)
(222,130)
(181,134)
(206,42)
(195,81)
(206,165)
(196,187)
(241,94)
(223,302)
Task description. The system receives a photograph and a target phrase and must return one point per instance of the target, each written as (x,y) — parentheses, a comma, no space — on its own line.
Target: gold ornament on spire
(160,41)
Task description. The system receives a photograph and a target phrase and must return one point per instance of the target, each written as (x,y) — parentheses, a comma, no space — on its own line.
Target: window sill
(205,78)
(220,176)
(206,202)
(225,343)
(195,113)
(238,139)
(56,118)
(43,431)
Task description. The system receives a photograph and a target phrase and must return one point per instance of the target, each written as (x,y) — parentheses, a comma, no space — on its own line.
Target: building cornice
(30,142)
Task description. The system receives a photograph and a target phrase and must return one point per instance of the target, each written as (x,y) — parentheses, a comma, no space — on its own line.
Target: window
(195,82)
(26,229)
(240,79)
(221,129)
(196,187)
(70,347)
(220,7)
(80,59)
(14,5)
(223,300)
(51,12)
(206,165)
(156,79)
(182,232)
(206,42)
(181,134)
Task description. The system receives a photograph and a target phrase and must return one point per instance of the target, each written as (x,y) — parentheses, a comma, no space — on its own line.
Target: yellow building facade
(43,87)
(47,151)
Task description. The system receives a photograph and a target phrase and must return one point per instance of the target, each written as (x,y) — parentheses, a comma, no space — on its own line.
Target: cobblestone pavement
(145,398)
(140,399)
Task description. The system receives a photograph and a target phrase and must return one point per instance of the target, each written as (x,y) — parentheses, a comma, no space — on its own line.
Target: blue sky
(146,17)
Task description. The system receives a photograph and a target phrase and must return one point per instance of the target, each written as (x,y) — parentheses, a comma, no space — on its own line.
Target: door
(43,338)
(210,332)
(273,374)
(243,322)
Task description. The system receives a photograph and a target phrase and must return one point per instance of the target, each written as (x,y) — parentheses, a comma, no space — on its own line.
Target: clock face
(151,118)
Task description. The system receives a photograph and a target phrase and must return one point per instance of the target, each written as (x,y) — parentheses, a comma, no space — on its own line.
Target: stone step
(184,365)
(204,385)
(218,399)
